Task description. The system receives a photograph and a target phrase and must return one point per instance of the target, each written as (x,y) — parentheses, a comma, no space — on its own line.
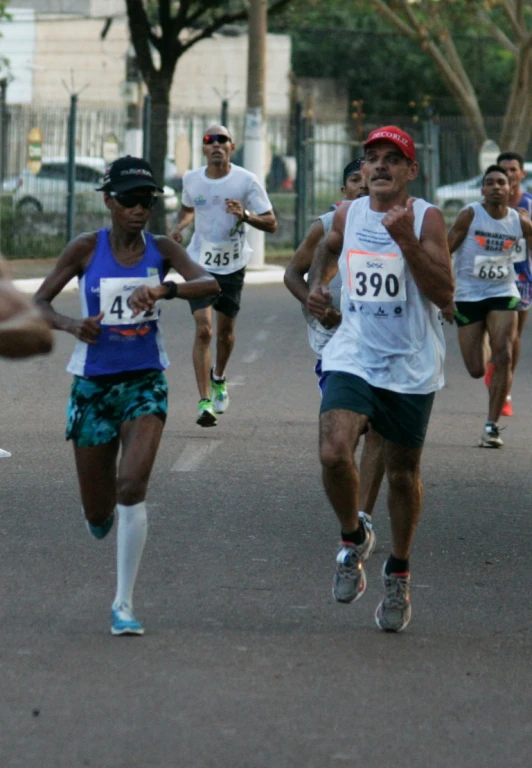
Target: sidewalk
(28,274)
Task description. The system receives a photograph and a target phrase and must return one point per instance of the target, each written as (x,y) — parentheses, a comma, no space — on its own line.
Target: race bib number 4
(376,276)
(114,293)
(215,256)
(491,267)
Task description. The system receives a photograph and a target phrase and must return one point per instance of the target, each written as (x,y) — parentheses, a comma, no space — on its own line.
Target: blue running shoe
(101,531)
(123,622)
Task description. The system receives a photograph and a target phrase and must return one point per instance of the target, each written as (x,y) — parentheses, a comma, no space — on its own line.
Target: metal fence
(306,159)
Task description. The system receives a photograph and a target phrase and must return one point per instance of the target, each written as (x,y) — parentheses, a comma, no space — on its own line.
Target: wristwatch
(246,215)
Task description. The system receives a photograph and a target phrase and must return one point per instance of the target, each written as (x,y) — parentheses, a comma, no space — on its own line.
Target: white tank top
(318,336)
(483,264)
(391,335)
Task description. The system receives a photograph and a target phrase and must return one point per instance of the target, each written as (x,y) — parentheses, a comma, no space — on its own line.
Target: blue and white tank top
(125,343)
(522,256)
(391,334)
(483,264)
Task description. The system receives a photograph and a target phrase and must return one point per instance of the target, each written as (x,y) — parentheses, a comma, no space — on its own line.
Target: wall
(69,54)
(17,44)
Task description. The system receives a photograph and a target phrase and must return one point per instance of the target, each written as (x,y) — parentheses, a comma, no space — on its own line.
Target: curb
(267,276)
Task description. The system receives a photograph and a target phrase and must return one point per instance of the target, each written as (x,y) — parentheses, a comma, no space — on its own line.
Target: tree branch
(510,11)
(396,20)
(496,32)
(226,18)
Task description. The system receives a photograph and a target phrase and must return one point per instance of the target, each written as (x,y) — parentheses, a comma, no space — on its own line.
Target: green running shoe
(206,417)
(219,394)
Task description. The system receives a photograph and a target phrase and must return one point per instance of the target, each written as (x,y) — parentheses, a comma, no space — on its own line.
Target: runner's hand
(448,312)
(399,221)
(142,299)
(89,329)
(177,236)
(235,207)
(331,318)
(524,212)
(319,301)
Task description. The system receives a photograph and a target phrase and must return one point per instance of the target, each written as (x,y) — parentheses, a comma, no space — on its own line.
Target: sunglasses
(219,137)
(129,200)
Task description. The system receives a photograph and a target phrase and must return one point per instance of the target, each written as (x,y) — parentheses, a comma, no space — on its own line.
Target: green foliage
(349,41)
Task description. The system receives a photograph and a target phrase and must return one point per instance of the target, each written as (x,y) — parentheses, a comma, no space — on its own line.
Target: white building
(55,46)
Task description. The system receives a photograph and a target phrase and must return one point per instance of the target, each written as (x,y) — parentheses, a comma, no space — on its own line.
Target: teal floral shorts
(98,406)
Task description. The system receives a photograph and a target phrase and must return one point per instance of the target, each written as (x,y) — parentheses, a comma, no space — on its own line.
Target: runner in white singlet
(486,300)
(385,362)
(222,199)
(371,460)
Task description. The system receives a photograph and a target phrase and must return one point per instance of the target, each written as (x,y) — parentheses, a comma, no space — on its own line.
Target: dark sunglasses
(219,137)
(129,200)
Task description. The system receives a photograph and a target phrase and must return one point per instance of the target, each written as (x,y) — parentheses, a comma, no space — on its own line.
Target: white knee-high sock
(130,541)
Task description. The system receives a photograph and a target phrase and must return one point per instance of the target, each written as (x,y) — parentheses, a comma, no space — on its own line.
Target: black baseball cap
(352,167)
(128,173)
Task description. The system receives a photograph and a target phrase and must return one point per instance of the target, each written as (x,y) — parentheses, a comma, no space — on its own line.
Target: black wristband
(172,290)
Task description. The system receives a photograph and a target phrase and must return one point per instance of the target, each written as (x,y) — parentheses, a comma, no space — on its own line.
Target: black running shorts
(228,301)
(469,312)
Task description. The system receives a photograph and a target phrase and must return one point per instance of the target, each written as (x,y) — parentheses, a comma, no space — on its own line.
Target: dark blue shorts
(399,418)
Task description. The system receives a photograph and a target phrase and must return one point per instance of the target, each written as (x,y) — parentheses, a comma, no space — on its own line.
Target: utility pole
(254,140)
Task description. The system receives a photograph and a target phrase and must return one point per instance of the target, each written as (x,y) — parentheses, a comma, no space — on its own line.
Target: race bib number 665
(491,267)
(376,276)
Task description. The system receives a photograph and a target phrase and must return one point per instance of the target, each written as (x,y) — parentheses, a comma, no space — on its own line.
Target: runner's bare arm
(266,221)
(198,283)
(299,264)
(23,329)
(185,217)
(71,263)
(458,232)
(325,265)
(428,258)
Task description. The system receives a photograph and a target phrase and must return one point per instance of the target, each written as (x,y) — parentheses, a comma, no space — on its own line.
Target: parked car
(451,198)
(47,190)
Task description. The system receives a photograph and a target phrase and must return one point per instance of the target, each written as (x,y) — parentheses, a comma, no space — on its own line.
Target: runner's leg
(96,469)
(225,341)
(473,341)
(340,431)
(405,495)
(502,330)
(201,352)
(140,440)
(371,470)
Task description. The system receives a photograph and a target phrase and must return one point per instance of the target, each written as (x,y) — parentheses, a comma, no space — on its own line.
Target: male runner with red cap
(385,362)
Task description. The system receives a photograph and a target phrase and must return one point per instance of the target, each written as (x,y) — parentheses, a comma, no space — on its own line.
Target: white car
(451,198)
(47,190)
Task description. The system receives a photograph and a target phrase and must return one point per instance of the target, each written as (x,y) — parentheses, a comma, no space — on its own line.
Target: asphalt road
(247,661)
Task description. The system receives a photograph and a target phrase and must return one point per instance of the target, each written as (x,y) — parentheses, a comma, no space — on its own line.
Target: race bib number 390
(114,293)
(376,276)
(215,256)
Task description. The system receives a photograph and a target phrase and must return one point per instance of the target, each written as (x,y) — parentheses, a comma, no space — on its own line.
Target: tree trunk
(159,89)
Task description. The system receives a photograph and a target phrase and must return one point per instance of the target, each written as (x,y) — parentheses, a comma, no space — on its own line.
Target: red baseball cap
(396,136)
